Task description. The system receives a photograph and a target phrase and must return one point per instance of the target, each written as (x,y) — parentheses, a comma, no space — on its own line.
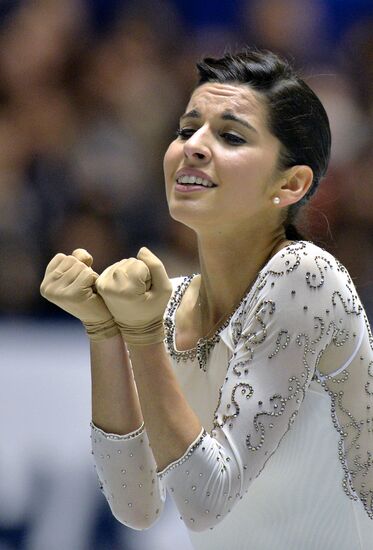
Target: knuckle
(139,268)
(45,285)
(104,287)
(73,260)
(127,265)
(60,256)
(100,285)
(131,270)
(121,273)
(48,292)
(81,268)
(57,260)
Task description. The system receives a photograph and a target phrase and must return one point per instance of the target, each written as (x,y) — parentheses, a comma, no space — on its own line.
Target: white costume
(285,398)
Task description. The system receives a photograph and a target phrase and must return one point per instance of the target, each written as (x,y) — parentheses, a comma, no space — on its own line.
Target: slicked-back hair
(295,116)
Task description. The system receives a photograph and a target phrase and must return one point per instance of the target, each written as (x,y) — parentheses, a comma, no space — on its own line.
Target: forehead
(239,98)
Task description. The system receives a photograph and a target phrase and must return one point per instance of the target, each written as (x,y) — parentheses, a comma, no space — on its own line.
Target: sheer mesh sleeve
(349,383)
(126,470)
(303,318)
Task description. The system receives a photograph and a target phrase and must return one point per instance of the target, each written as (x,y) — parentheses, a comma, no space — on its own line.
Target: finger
(86,279)
(55,262)
(157,270)
(106,276)
(60,268)
(110,269)
(67,263)
(121,270)
(138,277)
(83,256)
(61,276)
(71,274)
(129,276)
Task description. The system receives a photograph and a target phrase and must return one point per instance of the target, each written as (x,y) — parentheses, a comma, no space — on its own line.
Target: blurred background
(90,95)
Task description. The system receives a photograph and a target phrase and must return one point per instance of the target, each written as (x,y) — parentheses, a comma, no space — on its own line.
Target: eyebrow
(227,115)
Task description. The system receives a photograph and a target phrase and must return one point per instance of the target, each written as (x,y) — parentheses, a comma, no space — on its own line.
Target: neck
(229,265)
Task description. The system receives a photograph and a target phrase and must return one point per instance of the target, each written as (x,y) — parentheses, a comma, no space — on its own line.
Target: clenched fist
(69,282)
(137,291)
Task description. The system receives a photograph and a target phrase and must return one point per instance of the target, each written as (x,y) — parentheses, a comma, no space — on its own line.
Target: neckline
(207,343)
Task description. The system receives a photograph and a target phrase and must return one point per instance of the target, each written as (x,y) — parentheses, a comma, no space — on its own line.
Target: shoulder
(307,266)
(304,293)
(298,255)
(300,283)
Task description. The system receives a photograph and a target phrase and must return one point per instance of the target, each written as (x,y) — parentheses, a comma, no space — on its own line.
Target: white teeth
(195,180)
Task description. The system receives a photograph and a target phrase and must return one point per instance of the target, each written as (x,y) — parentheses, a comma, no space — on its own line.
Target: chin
(191,217)
(181,214)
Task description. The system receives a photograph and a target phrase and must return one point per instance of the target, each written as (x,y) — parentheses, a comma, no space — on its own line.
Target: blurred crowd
(90,95)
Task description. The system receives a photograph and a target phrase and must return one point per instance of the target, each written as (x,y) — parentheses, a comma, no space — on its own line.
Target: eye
(232,139)
(184,133)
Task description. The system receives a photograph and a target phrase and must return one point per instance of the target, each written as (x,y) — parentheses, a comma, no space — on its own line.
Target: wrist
(147,353)
(101,330)
(145,335)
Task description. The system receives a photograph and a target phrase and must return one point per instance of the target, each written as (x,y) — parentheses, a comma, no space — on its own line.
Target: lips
(194,172)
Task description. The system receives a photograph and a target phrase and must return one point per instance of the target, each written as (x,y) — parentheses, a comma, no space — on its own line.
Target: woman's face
(223,140)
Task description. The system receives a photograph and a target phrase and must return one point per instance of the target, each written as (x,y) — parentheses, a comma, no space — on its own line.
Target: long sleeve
(126,470)
(280,335)
(302,320)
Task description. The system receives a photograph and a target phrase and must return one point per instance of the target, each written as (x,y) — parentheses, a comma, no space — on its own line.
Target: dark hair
(296,116)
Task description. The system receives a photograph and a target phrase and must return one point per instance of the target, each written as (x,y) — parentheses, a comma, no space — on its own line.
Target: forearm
(207,480)
(115,403)
(171,424)
(126,470)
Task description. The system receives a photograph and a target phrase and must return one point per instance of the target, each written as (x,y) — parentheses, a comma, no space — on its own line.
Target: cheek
(170,160)
(250,166)
(240,167)
(248,174)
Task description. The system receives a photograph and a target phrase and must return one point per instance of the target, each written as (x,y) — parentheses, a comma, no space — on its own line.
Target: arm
(123,458)
(137,294)
(69,282)
(303,308)
(115,404)
(279,337)
(170,422)
(276,346)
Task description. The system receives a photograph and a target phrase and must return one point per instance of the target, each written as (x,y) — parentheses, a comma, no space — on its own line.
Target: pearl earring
(276,200)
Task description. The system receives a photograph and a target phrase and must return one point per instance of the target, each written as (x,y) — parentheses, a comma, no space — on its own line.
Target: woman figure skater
(245,392)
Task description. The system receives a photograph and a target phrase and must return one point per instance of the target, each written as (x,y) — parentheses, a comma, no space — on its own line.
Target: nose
(196,147)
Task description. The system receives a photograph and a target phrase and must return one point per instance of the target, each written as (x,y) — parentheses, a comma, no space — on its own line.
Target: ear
(295,184)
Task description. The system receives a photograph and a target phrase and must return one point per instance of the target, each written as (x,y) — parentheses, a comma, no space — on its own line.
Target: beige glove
(69,282)
(137,291)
